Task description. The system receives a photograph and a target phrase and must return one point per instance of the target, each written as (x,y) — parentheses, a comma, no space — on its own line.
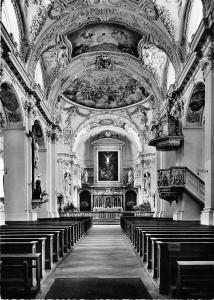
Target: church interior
(107,149)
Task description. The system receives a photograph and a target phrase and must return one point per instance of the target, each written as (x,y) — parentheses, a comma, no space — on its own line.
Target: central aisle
(103,253)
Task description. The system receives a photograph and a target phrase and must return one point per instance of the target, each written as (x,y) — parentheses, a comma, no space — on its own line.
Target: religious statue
(86,176)
(36,153)
(37,191)
(147,182)
(67,178)
(130,177)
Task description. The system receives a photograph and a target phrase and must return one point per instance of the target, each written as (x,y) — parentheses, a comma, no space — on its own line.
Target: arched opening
(195,18)
(196,106)
(170,75)
(39,160)
(9,19)
(39,75)
(130,200)
(85,201)
(194,131)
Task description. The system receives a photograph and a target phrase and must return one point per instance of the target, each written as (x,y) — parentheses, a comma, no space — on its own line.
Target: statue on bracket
(67,179)
(37,190)
(130,177)
(36,153)
(147,182)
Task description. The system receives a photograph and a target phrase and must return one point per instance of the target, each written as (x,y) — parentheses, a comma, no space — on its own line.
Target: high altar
(103,185)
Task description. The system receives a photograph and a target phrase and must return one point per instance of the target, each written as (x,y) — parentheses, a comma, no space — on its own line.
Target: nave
(70,258)
(105,253)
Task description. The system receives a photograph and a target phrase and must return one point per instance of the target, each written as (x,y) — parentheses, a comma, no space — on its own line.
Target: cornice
(196,53)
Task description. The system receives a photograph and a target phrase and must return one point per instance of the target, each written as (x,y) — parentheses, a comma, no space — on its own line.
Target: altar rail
(106,215)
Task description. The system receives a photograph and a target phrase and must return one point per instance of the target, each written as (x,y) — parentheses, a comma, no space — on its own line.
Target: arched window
(195,17)
(170,75)
(9,19)
(39,75)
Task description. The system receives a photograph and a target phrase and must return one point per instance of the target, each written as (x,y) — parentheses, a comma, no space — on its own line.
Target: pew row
(50,239)
(161,243)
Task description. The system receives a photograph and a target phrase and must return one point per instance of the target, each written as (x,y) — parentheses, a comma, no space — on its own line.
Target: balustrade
(105,215)
(172,181)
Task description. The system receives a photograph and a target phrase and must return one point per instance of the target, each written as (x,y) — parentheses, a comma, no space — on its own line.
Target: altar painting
(108,166)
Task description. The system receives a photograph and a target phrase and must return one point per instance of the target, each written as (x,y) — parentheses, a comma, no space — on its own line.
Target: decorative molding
(207,62)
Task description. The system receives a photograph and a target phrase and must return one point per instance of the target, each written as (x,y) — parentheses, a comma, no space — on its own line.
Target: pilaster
(53,197)
(207,215)
(16,181)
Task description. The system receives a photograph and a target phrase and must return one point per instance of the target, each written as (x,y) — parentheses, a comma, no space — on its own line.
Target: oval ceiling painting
(105,90)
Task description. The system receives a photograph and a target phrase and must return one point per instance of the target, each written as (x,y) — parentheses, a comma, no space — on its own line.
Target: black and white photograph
(107,149)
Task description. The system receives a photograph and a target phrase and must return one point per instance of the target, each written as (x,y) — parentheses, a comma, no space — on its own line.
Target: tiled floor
(104,253)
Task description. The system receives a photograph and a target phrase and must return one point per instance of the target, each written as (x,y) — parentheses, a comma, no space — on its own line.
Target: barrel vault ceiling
(104,58)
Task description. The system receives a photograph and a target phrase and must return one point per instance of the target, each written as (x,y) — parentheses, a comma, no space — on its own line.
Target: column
(49,177)
(207,215)
(53,161)
(157,208)
(16,181)
(43,211)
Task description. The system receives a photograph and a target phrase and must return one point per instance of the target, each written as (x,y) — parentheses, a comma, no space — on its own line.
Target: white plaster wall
(193,156)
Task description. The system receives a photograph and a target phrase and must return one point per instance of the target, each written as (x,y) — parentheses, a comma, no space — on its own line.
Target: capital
(207,62)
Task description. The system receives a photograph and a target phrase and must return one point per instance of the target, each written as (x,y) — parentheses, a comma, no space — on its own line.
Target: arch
(10,104)
(141,24)
(85,201)
(11,20)
(39,159)
(170,77)
(130,199)
(195,108)
(196,8)
(95,125)
(39,78)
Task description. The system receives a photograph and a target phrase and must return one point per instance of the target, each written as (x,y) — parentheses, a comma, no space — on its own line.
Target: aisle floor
(104,252)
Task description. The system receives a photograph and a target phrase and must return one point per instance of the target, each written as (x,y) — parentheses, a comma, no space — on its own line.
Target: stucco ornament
(38,22)
(150,9)
(175,105)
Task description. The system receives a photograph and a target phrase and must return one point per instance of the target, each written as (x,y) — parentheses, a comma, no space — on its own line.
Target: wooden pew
(57,239)
(168,255)
(172,235)
(72,229)
(195,279)
(37,229)
(161,229)
(11,279)
(145,233)
(40,248)
(33,262)
(33,236)
(174,239)
(32,246)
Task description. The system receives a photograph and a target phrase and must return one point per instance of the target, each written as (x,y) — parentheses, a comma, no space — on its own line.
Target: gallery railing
(106,215)
(172,182)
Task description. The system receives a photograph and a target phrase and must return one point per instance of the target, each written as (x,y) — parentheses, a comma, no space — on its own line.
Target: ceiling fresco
(105,90)
(107,37)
